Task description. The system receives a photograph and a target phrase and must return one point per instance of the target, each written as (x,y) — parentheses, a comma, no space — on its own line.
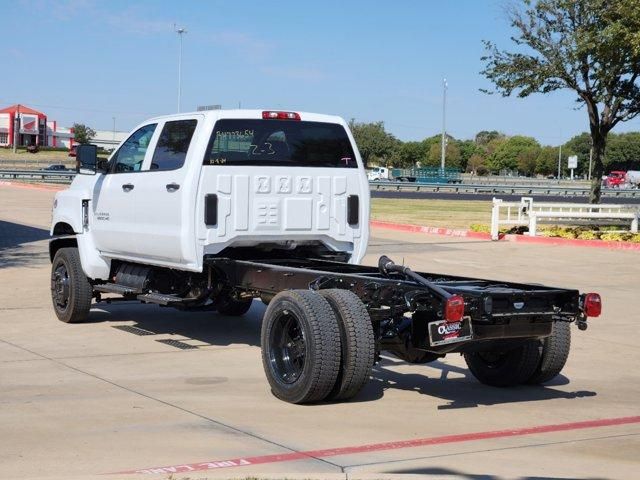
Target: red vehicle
(615,179)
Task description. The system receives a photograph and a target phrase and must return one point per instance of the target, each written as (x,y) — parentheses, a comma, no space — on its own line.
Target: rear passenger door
(162,210)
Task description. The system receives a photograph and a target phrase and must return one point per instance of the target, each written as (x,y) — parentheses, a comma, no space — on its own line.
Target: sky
(91,61)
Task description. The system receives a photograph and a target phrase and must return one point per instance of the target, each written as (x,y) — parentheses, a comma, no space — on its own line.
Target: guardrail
(501,189)
(52,176)
(527,213)
(48,176)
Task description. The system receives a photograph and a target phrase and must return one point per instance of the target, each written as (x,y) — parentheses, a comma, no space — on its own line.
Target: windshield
(280,143)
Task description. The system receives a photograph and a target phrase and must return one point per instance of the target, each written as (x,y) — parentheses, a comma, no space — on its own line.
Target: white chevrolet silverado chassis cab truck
(211,210)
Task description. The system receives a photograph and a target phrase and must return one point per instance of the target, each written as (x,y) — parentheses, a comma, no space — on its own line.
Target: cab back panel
(278,205)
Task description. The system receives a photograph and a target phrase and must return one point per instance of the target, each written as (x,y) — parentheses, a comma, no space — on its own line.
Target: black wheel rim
(60,282)
(288,347)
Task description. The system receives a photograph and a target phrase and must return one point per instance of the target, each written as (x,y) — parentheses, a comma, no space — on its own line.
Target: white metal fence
(527,213)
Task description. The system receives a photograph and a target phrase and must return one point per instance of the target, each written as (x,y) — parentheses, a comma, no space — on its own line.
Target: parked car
(32,149)
(56,167)
(615,179)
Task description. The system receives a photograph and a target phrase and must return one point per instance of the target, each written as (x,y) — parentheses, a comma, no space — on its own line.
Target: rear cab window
(173,144)
(255,142)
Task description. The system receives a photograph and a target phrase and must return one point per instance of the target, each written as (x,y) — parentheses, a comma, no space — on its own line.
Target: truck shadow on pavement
(197,329)
(457,386)
(442,472)
(17,245)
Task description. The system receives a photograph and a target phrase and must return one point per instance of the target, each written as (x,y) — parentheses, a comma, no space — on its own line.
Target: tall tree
(82,134)
(374,142)
(589,46)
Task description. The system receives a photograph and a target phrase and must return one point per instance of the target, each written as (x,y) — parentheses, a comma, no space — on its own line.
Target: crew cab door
(115,194)
(165,197)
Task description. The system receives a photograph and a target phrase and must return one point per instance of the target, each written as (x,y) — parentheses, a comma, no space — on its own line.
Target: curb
(573,242)
(32,186)
(448,232)
(563,242)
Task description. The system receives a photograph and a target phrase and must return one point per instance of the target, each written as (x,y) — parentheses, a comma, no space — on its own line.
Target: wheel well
(62,228)
(58,243)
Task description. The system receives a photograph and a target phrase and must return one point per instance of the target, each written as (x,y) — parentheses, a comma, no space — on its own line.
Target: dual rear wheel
(533,363)
(317,345)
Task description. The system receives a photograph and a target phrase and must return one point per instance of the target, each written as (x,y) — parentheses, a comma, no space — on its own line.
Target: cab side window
(173,145)
(131,154)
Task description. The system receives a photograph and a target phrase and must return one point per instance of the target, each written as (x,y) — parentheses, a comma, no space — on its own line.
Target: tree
(589,46)
(547,161)
(477,165)
(451,157)
(82,134)
(374,142)
(485,136)
(515,153)
(408,154)
(467,148)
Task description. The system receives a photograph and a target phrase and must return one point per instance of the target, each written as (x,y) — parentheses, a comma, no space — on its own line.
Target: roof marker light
(275,115)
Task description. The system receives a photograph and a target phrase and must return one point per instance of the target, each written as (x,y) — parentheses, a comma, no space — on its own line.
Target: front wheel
(505,368)
(300,342)
(71,291)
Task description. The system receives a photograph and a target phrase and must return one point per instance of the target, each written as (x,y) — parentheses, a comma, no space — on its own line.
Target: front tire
(71,291)
(555,352)
(357,341)
(505,368)
(300,346)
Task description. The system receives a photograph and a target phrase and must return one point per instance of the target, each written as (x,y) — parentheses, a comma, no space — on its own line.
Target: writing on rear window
(280,143)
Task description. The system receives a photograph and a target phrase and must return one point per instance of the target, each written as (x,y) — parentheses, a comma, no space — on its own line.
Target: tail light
(454,309)
(592,305)
(273,115)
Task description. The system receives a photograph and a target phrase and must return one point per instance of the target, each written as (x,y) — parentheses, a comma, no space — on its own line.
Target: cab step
(116,288)
(159,298)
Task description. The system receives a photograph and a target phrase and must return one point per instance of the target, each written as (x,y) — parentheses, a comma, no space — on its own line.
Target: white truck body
(378,173)
(156,216)
(633,178)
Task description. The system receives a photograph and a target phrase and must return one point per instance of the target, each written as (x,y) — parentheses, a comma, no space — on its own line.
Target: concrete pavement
(77,401)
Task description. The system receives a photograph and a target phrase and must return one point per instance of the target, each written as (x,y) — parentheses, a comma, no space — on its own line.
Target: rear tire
(357,340)
(71,291)
(555,352)
(300,346)
(505,369)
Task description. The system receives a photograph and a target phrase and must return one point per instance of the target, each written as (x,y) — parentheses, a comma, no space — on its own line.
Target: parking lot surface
(141,387)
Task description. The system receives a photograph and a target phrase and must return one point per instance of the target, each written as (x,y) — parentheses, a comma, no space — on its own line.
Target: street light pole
(180,31)
(559,161)
(443,146)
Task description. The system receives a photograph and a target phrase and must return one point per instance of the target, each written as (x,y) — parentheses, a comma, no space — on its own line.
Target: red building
(32,128)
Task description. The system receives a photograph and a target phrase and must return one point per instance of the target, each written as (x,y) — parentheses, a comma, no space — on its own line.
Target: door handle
(172,187)
(127,187)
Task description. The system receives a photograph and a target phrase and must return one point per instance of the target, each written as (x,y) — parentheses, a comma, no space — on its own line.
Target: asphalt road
(121,393)
(490,196)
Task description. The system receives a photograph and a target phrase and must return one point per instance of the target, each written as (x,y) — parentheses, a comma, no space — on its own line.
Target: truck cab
(182,187)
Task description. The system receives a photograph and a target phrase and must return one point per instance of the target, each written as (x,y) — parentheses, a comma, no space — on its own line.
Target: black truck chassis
(402,307)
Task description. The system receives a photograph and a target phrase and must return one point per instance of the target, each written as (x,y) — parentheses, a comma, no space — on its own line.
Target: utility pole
(16,130)
(559,161)
(443,146)
(180,31)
